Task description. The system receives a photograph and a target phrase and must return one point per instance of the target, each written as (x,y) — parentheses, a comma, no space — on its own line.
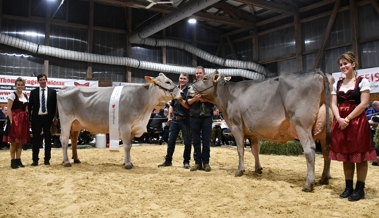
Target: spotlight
(192,21)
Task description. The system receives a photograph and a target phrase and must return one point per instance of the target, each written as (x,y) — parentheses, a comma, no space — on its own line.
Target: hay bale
(290,148)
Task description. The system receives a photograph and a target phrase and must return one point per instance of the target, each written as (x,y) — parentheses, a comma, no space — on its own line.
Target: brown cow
(278,109)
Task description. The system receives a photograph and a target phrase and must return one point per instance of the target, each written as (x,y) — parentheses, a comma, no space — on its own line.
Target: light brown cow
(279,109)
(88,108)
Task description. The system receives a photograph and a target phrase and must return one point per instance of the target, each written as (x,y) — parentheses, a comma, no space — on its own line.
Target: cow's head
(165,84)
(208,85)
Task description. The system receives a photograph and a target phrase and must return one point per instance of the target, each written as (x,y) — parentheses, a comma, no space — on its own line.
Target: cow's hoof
(67,165)
(259,171)
(323,181)
(239,173)
(128,166)
(305,189)
(77,161)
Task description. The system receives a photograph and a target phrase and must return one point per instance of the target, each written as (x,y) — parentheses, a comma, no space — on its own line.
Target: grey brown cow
(86,107)
(291,106)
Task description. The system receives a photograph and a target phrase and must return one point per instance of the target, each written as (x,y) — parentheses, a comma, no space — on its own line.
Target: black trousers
(39,125)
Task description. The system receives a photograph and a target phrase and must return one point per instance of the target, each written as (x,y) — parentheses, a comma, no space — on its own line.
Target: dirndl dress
(352,144)
(18,131)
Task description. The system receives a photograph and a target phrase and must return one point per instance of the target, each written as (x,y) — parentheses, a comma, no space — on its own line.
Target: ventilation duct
(122,61)
(183,12)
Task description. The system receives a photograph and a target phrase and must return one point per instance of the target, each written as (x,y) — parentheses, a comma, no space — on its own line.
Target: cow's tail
(327,106)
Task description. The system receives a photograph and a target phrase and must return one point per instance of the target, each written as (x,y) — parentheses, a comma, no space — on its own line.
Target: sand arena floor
(101,187)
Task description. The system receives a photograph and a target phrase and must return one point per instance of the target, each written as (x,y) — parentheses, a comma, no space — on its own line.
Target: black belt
(42,115)
(180,118)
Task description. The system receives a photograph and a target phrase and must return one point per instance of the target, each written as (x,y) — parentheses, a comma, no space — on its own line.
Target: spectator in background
(216,127)
(373,110)
(372,114)
(3,119)
(17,130)
(156,124)
(178,119)
(165,132)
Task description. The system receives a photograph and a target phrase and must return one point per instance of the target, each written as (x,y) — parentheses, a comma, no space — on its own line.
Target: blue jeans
(201,130)
(175,127)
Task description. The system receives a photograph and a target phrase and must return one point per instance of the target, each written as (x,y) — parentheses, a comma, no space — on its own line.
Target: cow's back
(90,106)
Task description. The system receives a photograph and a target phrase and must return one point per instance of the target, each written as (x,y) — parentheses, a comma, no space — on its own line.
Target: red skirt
(19,130)
(352,144)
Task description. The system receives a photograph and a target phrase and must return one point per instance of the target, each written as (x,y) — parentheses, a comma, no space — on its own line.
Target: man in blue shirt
(373,110)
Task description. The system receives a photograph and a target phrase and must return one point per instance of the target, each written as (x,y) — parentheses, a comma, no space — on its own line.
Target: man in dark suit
(42,112)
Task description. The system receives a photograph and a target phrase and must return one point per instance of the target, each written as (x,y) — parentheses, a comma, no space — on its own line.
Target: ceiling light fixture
(192,20)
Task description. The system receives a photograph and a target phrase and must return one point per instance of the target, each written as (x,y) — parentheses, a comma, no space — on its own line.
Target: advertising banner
(372,74)
(7,84)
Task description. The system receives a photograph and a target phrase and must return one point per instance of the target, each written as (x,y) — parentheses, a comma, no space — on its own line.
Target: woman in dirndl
(351,140)
(17,130)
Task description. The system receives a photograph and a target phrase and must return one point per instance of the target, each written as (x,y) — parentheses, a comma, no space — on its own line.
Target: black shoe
(165,164)
(348,190)
(19,163)
(186,165)
(375,163)
(14,164)
(46,162)
(35,163)
(358,193)
(160,142)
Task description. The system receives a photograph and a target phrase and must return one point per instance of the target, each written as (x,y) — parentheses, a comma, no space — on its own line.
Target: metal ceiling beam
(177,15)
(268,5)
(166,10)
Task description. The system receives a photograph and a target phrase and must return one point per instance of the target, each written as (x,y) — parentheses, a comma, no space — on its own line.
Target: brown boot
(196,167)
(207,168)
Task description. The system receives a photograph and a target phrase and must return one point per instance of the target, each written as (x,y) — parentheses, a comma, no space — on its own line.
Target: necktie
(43,101)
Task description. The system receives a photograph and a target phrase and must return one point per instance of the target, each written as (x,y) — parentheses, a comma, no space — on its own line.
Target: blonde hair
(19,79)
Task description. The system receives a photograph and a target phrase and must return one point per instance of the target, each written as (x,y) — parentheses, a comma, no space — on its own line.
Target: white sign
(372,74)
(7,84)
(113,118)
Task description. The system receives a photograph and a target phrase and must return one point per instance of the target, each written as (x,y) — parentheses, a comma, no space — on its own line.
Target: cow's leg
(127,144)
(74,145)
(241,151)
(65,133)
(326,171)
(255,151)
(309,148)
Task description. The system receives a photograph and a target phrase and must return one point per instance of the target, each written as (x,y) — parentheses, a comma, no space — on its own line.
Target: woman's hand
(342,123)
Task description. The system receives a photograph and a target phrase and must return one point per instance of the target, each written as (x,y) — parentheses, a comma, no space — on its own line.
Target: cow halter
(166,89)
(201,90)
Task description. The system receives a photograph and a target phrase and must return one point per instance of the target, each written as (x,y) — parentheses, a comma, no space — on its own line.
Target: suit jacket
(34,103)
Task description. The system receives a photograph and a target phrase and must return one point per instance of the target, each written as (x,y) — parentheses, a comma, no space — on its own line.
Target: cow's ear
(216,78)
(149,79)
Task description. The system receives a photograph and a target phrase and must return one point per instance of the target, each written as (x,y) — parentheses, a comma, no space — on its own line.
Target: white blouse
(363,85)
(12,97)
